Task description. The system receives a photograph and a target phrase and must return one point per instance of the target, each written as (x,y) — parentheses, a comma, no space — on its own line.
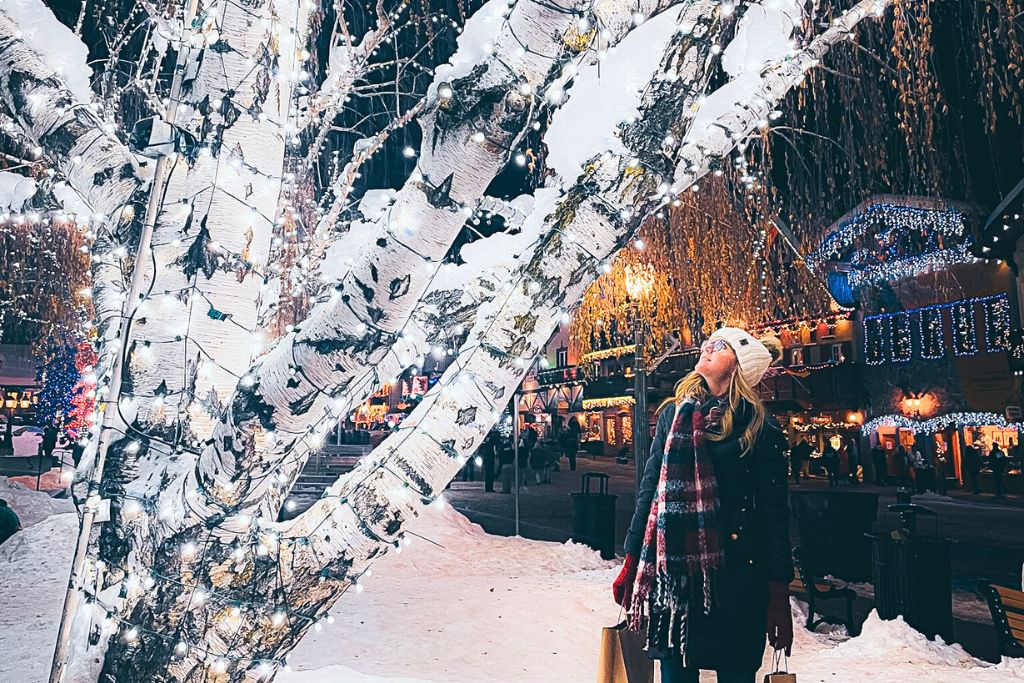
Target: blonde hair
(694,386)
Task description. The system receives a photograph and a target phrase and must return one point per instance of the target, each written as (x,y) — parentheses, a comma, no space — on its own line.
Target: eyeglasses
(713,346)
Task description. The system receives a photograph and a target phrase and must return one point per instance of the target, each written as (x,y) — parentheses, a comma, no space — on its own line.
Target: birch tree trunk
(102,171)
(291,571)
(346,348)
(203,585)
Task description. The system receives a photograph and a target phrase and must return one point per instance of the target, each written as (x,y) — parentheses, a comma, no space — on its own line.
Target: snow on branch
(478,108)
(77,143)
(590,216)
(412,466)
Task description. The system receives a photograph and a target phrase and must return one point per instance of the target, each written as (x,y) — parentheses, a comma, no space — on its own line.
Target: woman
(708,560)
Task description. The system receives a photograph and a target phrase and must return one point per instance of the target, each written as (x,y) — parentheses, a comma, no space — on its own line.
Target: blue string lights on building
(887,242)
(890,337)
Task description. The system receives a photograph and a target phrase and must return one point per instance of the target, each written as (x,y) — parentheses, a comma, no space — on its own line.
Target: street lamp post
(639,407)
(7,446)
(639,281)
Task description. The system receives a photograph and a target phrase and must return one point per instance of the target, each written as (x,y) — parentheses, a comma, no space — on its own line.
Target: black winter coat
(754,514)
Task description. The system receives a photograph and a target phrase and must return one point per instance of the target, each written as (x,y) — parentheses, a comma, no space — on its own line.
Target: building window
(561,357)
(837,353)
(798,357)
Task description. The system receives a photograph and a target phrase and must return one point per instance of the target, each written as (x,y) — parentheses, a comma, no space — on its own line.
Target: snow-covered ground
(473,608)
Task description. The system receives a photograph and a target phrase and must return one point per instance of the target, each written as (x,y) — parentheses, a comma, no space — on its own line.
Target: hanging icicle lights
(890,336)
(939,423)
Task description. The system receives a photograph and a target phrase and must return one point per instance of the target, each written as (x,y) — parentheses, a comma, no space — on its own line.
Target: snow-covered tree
(195,169)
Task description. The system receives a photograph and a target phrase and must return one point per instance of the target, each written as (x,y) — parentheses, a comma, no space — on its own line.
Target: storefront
(608,424)
(549,399)
(821,430)
(943,440)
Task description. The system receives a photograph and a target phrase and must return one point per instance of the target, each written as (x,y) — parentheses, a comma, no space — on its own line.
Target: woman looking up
(708,560)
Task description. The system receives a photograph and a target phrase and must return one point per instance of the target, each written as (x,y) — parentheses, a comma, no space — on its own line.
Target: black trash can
(912,575)
(832,526)
(593,516)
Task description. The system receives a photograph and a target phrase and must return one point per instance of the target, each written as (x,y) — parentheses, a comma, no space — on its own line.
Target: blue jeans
(671,672)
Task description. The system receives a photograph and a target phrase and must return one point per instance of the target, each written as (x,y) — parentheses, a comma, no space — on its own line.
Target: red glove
(622,589)
(780,617)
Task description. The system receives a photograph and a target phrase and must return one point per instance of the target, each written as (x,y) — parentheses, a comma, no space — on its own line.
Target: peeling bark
(206,527)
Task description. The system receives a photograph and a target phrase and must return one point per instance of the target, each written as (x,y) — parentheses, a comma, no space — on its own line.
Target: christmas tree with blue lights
(57,376)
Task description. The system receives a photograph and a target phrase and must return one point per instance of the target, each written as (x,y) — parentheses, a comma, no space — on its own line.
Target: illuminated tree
(196,183)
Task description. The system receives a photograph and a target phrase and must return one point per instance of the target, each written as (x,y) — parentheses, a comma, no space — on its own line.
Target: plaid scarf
(681,542)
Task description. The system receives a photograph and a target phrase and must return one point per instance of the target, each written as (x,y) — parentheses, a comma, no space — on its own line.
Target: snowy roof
(17,366)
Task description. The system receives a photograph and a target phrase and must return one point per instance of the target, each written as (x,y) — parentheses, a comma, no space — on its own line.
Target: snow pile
(15,190)
(27,440)
(893,651)
(484,608)
(473,608)
(34,568)
(32,507)
(56,45)
(460,606)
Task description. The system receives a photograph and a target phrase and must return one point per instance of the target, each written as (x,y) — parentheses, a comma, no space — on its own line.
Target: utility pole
(640,429)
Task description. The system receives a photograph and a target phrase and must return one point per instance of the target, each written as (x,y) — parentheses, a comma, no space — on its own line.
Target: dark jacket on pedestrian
(801,453)
(9,522)
(754,525)
(972,459)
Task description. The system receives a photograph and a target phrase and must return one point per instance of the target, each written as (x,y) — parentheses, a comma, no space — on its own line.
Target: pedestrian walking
(921,468)
(469,470)
(972,463)
(488,454)
(525,449)
(570,442)
(853,460)
(714,492)
(800,454)
(1013,460)
(902,463)
(997,463)
(830,458)
(506,463)
(541,458)
(49,442)
(878,463)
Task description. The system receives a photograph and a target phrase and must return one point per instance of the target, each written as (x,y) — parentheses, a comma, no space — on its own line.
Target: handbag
(622,658)
(779,659)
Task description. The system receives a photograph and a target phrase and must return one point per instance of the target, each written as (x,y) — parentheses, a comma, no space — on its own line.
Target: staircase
(322,468)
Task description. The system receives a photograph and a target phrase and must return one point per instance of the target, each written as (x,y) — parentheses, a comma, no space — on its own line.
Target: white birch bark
(385,496)
(99,168)
(344,532)
(304,566)
(346,347)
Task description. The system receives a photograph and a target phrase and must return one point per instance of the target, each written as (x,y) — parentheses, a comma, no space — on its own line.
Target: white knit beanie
(753,356)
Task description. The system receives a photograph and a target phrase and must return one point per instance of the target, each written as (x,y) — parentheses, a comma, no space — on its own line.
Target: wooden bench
(1007,607)
(818,590)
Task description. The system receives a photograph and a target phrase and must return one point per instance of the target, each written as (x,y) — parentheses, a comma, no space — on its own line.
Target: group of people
(908,466)
(537,458)
(832,459)
(997,460)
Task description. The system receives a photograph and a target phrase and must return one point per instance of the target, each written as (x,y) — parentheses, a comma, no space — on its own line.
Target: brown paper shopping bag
(623,659)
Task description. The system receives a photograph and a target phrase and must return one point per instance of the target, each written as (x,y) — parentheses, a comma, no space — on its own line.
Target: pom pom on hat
(754,356)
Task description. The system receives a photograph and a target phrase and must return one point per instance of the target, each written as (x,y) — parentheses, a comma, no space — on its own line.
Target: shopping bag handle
(779,657)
